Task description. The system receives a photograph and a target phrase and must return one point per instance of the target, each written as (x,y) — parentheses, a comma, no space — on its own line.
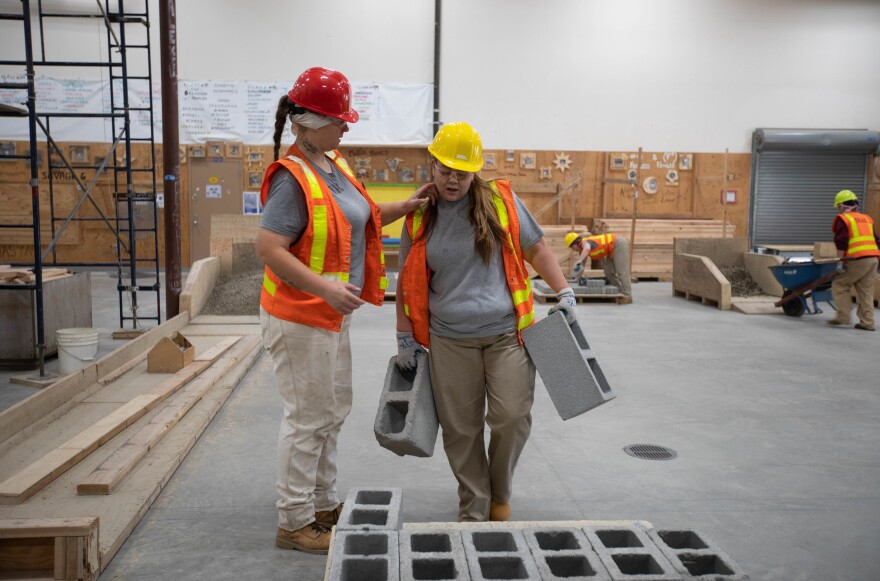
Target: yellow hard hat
(570,238)
(458,146)
(844,196)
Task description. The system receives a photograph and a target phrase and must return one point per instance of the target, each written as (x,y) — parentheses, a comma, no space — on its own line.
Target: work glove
(578,268)
(566,305)
(406,351)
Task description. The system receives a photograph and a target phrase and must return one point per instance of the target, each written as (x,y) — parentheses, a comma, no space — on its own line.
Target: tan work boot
(624,301)
(499,511)
(313,538)
(328,518)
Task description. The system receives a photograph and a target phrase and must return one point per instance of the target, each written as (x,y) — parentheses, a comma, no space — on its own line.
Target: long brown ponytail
(484,216)
(285,108)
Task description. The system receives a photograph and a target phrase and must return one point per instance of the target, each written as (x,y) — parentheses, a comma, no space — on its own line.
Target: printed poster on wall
(244,111)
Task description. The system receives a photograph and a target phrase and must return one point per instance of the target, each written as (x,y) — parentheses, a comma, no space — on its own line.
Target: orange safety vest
(861,235)
(325,247)
(605,245)
(415,276)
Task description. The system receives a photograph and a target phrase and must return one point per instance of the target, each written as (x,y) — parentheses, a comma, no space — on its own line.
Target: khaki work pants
(616,267)
(466,374)
(860,274)
(313,375)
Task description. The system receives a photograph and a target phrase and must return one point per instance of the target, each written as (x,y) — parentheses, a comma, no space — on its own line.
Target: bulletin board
(391,193)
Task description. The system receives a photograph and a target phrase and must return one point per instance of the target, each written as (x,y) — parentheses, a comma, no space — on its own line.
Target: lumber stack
(653,248)
(10,275)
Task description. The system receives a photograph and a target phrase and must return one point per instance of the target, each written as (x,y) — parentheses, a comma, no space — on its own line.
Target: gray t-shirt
(467,297)
(286,212)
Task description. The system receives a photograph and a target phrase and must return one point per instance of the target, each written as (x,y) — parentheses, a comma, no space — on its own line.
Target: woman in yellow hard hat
(614,252)
(858,245)
(464,292)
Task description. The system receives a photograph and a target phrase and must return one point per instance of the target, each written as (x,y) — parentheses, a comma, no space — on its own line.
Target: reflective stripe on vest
(318,251)
(605,246)
(861,237)
(523,319)
(418,216)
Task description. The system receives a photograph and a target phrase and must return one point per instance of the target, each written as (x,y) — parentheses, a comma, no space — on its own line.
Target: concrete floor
(774,419)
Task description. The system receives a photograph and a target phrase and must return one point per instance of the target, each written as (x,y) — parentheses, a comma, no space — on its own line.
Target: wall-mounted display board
(239,111)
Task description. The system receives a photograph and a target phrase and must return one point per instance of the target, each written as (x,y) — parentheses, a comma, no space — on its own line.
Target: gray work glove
(566,305)
(578,268)
(406,351)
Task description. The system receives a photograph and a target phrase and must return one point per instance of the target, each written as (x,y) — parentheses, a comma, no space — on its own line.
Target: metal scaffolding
(127,35)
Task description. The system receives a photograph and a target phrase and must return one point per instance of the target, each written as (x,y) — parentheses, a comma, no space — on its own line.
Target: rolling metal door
(793,194)
(795,175)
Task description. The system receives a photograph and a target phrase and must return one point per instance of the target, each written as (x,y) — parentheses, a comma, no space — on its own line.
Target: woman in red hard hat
(857,243)
(320,241)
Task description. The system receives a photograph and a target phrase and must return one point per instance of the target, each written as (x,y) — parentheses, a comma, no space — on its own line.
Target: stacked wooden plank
(10,275)
(652,251)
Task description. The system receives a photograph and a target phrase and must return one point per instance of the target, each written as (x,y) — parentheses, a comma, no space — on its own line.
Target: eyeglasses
(447,173)
(338,122)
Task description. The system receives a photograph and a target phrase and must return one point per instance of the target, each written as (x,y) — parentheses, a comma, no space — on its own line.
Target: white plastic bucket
(76,347)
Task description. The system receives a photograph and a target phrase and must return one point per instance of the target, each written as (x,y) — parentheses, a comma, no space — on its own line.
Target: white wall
(686,75)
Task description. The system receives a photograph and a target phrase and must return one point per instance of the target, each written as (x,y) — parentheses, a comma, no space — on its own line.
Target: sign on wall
(244,111)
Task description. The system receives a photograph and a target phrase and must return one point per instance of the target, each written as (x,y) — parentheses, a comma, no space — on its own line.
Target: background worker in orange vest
(610,247)
(464,292)
(320,239)
(857,244)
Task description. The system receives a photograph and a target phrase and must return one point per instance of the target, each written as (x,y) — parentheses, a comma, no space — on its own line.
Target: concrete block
(406,421)
(567,367)
(432,554)
(372,509)
(364,556)
(564,553)
(611,290)
(498,554)
(630,555)
(695,556)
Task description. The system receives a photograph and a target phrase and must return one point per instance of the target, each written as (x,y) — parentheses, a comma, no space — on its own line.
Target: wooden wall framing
(594,184)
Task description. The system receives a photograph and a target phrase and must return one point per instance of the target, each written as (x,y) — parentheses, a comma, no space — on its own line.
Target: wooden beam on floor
(111,472)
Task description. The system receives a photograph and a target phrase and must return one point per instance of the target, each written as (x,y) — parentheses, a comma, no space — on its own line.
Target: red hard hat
(324,91)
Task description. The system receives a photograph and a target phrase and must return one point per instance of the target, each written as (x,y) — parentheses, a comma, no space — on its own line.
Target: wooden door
(215,187)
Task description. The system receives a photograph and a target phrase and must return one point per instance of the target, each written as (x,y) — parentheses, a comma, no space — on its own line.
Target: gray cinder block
(567,366)
(695,556)
(498,554)
(364,556)
(432,554)
(372,509)
(564,553)
(630,555)
(406,421)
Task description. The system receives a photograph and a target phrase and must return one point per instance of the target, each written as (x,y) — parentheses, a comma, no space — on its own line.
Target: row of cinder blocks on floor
(406,421)
(370,546)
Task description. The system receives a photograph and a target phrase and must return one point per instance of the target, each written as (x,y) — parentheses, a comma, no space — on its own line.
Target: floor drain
(650,452)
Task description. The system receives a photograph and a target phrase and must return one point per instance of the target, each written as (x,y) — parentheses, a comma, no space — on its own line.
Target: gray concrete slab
(774,420)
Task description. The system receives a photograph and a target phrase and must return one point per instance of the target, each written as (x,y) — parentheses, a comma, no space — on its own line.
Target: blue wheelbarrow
(802,281)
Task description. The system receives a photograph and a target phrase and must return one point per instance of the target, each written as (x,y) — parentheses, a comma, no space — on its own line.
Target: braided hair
(286,108)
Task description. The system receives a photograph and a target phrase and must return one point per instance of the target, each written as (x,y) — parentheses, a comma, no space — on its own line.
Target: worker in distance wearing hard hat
(858,245)
(615,252)
(320,239)
(464,292)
